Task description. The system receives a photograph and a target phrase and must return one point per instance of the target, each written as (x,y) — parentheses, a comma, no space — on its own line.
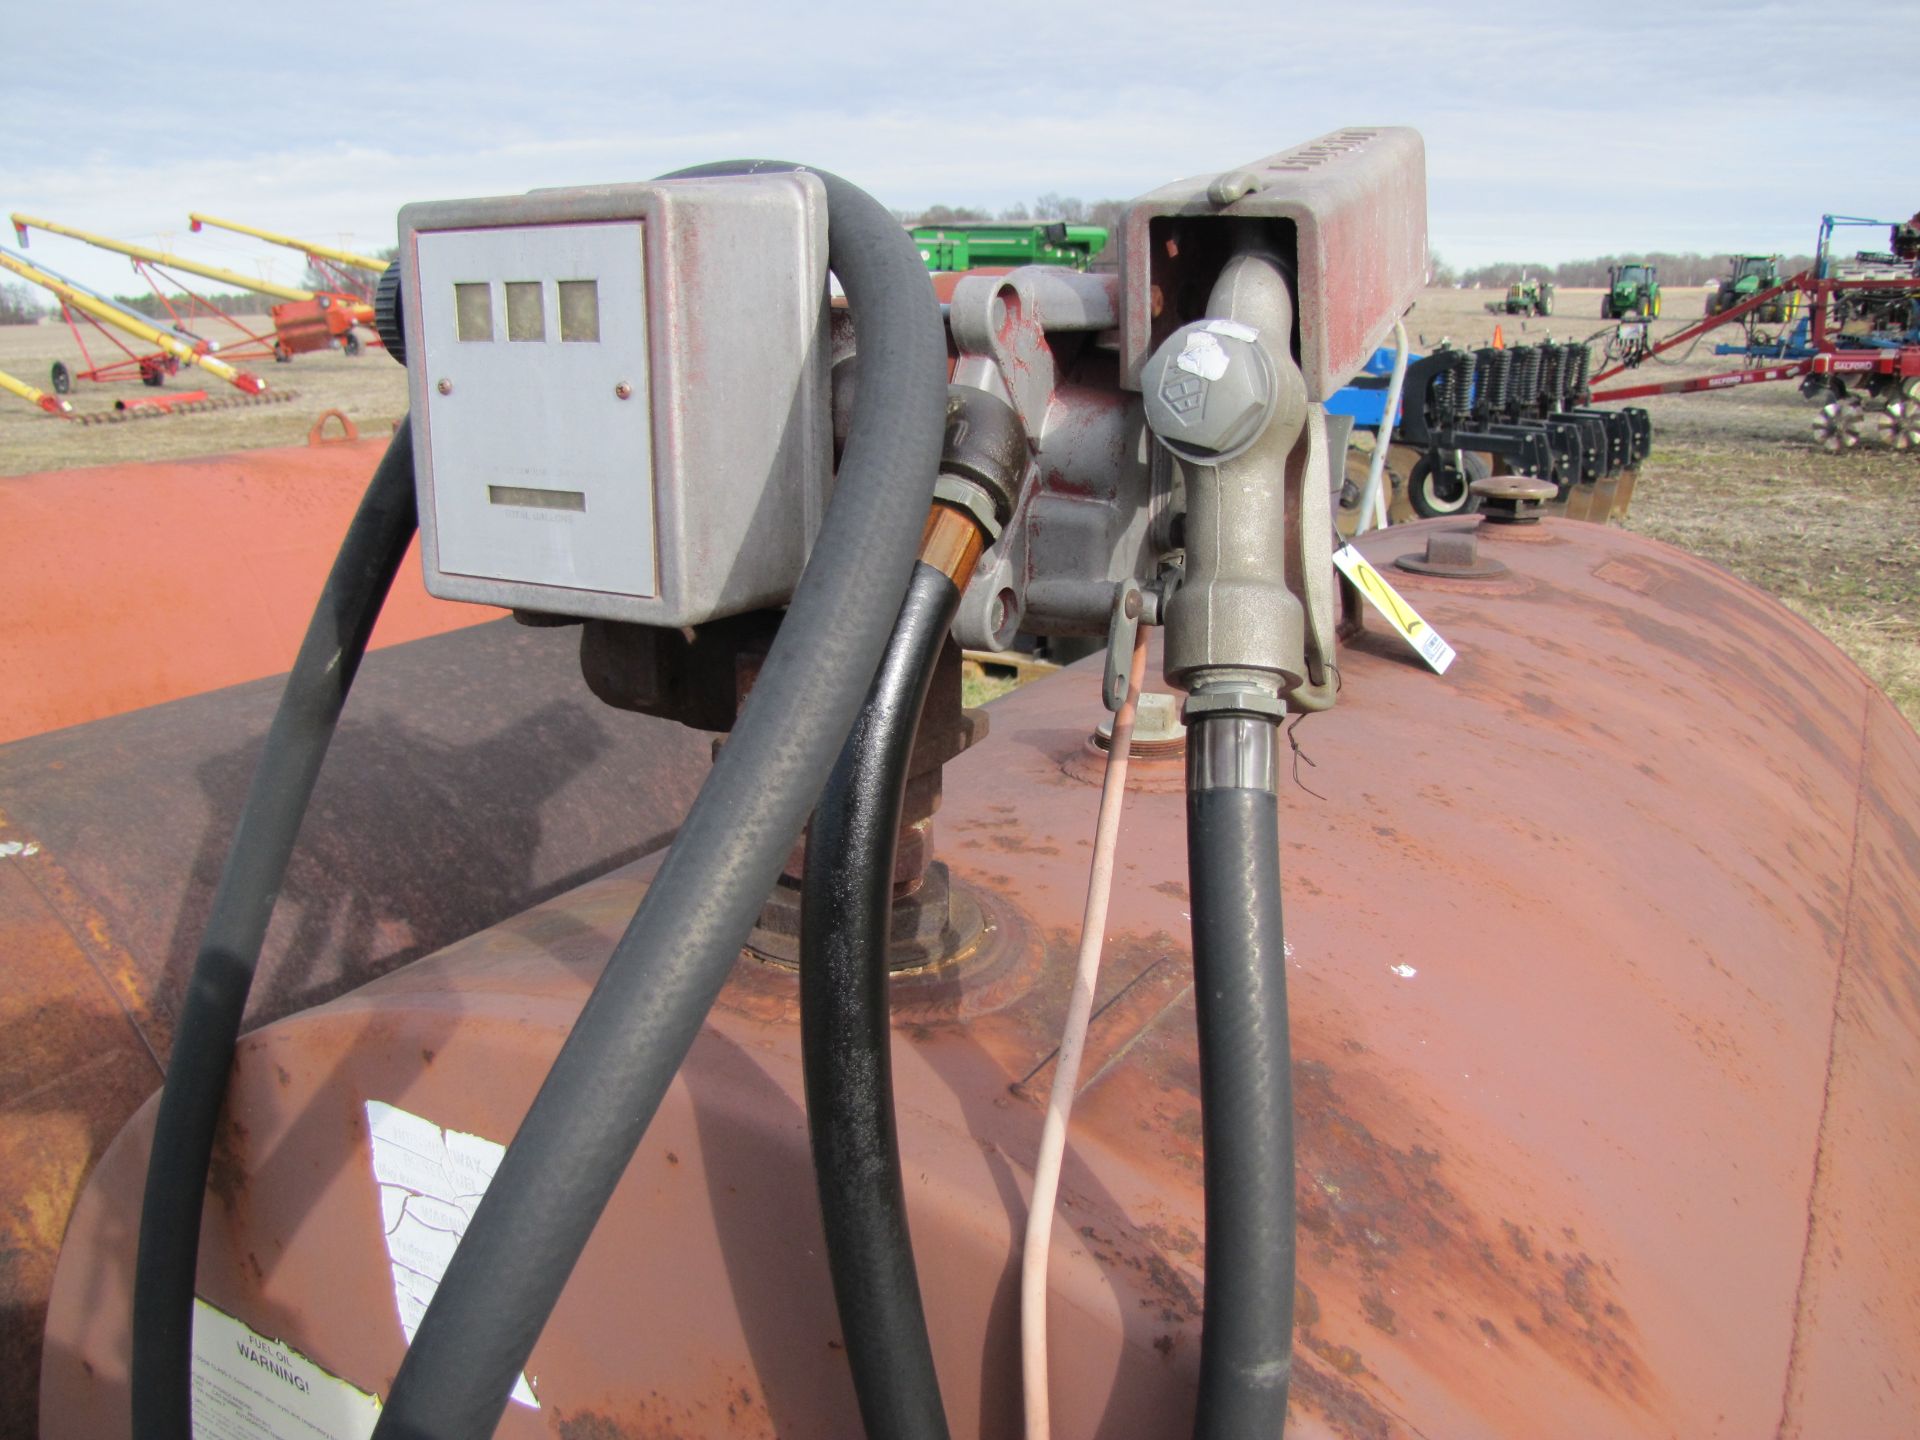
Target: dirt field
(1734,476)
(369,387)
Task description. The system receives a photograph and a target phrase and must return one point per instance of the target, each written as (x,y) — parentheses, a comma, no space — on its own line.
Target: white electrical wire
(1373,500)
(1066,1074)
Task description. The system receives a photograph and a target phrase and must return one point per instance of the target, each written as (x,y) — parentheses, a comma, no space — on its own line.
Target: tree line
(1691,268)
(24,304)
(1070,208)
(19,305)
(247,302)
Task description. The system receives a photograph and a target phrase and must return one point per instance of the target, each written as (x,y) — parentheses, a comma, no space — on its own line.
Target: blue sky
(1552,132)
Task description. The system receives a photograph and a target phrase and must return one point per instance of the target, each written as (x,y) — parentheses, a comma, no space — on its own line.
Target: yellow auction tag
(1424,639)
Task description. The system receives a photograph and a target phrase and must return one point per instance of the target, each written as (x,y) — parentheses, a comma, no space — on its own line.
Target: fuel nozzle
(1226,398)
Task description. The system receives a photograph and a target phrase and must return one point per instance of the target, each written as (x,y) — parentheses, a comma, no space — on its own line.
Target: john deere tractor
(1750,275)
(1631,290)
(1529,297)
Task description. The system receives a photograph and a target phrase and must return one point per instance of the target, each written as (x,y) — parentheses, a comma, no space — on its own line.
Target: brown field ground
(1734,476)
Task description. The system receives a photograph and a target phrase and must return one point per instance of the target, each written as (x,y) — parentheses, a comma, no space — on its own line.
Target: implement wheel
(62,378)
(1837,427)
(1436,492)
(1897,423)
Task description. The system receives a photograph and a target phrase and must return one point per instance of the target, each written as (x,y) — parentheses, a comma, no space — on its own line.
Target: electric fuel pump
(623,417)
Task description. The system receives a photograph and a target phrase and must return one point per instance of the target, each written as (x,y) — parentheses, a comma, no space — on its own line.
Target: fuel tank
(132,585)
(1606,1028)
(472,776)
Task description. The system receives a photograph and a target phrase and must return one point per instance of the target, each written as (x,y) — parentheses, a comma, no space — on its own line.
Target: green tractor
(1631,290)
(969,244)
(1750,275)
(1529,297)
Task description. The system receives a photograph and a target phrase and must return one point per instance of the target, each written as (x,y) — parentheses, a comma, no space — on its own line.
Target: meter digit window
(526,310)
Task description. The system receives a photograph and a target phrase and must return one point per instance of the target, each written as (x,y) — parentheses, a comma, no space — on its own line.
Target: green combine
(1750,275)
(1631,290)
(973,244)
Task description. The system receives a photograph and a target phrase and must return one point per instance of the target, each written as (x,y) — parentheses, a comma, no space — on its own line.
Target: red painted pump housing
(1605,971)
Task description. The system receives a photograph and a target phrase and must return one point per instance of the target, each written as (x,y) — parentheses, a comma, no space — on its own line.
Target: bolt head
(623,390)
(1210,390)
(445,387)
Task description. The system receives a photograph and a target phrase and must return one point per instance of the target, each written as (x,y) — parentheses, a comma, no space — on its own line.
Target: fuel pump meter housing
(620,394)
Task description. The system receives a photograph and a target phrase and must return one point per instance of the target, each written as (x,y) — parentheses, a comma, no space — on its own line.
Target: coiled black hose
(845,1039)
(203,1041)
(1246,1097)
(665,973)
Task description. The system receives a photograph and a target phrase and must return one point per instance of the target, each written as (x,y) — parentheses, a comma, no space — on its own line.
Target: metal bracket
(1129,614)
(1005,318)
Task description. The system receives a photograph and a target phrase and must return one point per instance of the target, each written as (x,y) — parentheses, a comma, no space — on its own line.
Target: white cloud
(1548,136)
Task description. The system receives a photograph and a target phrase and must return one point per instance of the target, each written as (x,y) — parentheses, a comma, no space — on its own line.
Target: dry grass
(1836,537)
(1734,476)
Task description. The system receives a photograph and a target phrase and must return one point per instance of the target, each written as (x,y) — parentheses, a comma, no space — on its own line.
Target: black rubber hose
(1246,1099)
(845,1037)
(203,1040)
(665,973)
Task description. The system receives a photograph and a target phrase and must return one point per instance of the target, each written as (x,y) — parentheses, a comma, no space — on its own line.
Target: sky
(1552,133)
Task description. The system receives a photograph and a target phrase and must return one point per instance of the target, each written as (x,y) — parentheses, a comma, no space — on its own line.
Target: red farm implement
(1855,348)
(302,320)
(346,272)
(167,354)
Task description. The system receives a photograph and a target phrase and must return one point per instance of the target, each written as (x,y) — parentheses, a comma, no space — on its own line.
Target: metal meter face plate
(558,492)
(620,394)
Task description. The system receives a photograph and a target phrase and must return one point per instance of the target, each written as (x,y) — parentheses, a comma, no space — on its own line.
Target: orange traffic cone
(1499,339)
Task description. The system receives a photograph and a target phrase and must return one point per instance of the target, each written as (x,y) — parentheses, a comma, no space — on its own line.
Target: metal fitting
(1232,752)
(971,497)
(985,444)
(1248,700)
(1452,555)
(1210,390)
(1513,499)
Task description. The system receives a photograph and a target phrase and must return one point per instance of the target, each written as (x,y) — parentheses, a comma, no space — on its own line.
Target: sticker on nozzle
(431,1181)
(1202,355)
(247,1386)
(1424,639)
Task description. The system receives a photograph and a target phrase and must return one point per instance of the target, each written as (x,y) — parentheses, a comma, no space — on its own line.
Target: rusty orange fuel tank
(131,585)
(1606,1021)
(472,776)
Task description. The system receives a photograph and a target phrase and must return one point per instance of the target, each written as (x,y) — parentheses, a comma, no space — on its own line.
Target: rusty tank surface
(471,778)
(137,584)
(1606,1047)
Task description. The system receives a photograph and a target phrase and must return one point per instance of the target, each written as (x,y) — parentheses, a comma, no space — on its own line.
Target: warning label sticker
(247,1387)
(431,1181)
(1403,617)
